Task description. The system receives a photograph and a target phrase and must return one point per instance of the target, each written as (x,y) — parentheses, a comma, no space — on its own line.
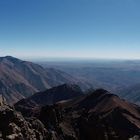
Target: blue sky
(70,28)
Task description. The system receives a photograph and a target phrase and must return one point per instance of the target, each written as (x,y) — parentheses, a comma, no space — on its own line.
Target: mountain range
(38,103)
(111,75)
(99,115)
(20,79)
(121,77)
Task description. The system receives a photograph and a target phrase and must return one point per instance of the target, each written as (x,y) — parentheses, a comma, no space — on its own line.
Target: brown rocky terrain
(96,116)
(13,126)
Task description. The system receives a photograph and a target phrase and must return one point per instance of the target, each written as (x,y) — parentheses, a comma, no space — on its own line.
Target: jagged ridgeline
(99,115)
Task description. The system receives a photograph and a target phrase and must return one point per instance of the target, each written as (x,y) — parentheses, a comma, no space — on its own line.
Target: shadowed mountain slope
(49,97)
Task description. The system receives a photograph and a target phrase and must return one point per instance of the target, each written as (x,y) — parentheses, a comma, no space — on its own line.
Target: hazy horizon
(70,59)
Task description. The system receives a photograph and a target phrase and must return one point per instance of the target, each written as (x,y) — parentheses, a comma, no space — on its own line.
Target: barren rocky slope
(97,116)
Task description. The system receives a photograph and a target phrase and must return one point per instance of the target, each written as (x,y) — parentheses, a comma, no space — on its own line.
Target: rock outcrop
(13,126)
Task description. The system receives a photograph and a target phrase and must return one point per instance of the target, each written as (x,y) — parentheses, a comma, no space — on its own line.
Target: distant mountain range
(117,76)
(112,75)
(20,79)
(99,115)
(131,94)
